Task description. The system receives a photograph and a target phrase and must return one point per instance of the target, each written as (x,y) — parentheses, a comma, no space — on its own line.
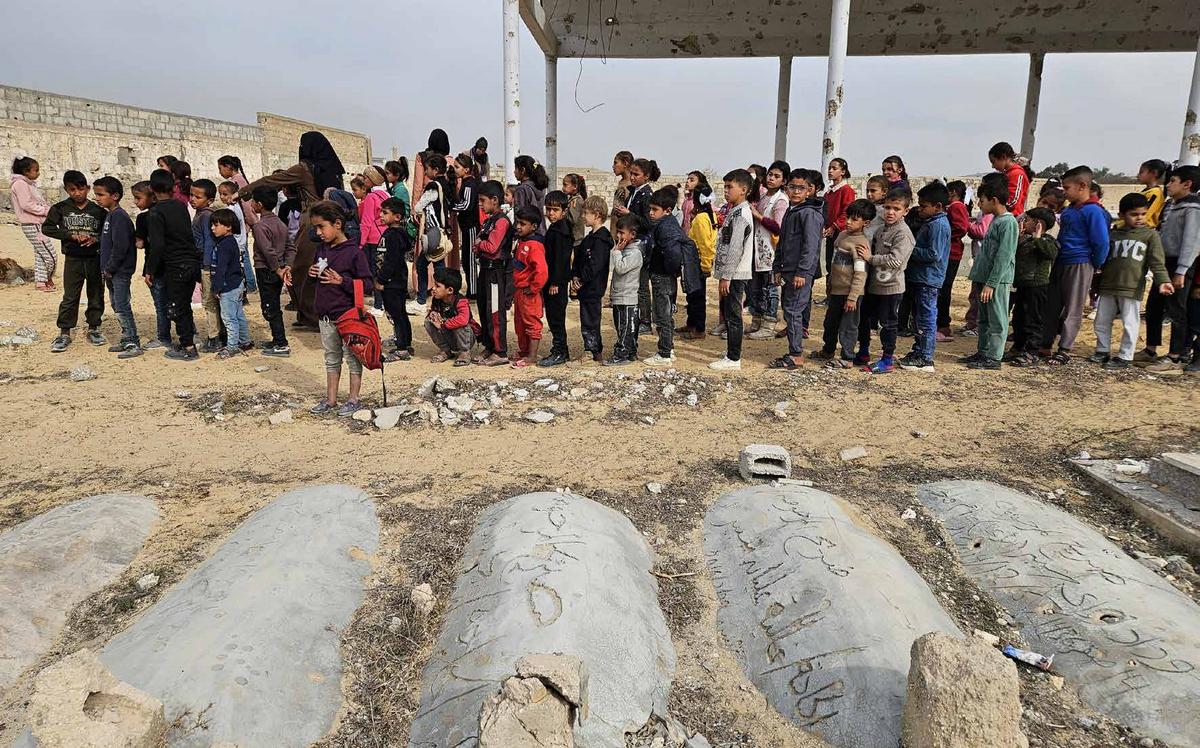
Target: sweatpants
(735,325)
(1156,312)
(993,323)
(459,340)
(661,287)
(924,318)
(492,304)
(213,326)
(270,288)
(45,261)
(470,268)
(589,325)
(1109,308)
(841,326)
(645,304)
(78,272)
(178,288)
(946,295)
(1065,300)
(696,306)
(882,310)
(527,318)
(1027,319)
(556,318)
(1177,309)
(626,323)
(395,295)
(794,300)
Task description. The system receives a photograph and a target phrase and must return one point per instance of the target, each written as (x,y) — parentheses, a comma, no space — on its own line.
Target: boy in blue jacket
(204,191)
(118,261)
(1082,251)
(926,272)
(796,259)
(668,246)
(229,281)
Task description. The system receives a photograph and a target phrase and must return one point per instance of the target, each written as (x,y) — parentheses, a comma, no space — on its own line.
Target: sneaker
(1117,363)
(321,408)
(984,362)
(131,350)
(1099,357)
(725,364)
(1144,356)
(554,359)
(182,354)
(116,348)
(399,354)
(1163,364)
(645,329)
(762,333)
(226,353)
(95,337)
(917,364)
(1194,367)
(349,408)
(969,332)
(862,358)
(659,360)
(822,355)
(971,358)
(719,329)
(614,361)
(60,343)
(414,309)
(247,346)
(282,351)
(885,365)
(909,358)
(154,343)
(211,345)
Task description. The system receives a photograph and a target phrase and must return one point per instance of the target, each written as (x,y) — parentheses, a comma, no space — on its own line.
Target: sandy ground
(127,431)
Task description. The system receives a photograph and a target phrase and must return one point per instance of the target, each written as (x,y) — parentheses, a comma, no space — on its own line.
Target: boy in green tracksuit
(994,267)
(1133,249)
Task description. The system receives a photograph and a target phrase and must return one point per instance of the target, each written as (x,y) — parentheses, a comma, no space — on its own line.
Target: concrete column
(1033,97)
(782,105)
(1189,151)
(552,120)
(839,37)
(512,86)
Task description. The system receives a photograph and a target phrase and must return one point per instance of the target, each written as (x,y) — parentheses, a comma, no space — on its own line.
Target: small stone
(648,420)
(654,487)
(282,417)
(1153,563)
(422,598)
(539,416)
(692,400)
(1083,455)
(988,637)
(27,332)
(82,373)
(482,416)
(262,369)
(183,395)
(427,412)
(850,454)
(426,389)
(668,390)
(578,392)
(1132,467)
(1087,723)
(1146,743)
(395,625)
(1056,682)
(364,416)
(460,403)
(918,434)
(780,410)
(502,383)
(443,385)
(546,382)
(495,401)
(148,582)
(553,388)
(520,395)
(448,417)
(386,418)
(909,513)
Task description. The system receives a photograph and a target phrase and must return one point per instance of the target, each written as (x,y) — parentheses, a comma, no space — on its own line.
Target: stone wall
(281,138)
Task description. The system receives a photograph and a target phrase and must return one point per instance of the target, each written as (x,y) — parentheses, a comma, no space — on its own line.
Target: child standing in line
(230,167)
(273,255)
(76,222)
(173,262)
(1152,176)
(576,190)
(396,173)
(589,273)
(797,259)
(391,275)
(845,284)
(642,172)
(229,282)
(703,233)
(432,211)
(1004,160)
(1082,250)
(994,268)
(370,226)
(338,263)
(626,260)
(960,220)
(494,252)
(449,323)
(529,278)
(768,217)
(557,243)
(895,174)
(622,163)
(466,210)
(118,261)
(926,272)
(1180,231)
(877,189)
(1136,250)
(838,197)
(532,182)
(888,258)
(668,248)
(31,208)
(733,264)
(1036,251)
(203,192)
(228,192)
(144,199)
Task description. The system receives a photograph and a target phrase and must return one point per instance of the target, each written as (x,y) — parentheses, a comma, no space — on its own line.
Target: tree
(1053,172)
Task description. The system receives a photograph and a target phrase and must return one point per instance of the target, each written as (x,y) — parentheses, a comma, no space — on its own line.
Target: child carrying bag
(361,334)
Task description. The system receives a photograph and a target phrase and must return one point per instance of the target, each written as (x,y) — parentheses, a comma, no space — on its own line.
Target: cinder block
(765,461)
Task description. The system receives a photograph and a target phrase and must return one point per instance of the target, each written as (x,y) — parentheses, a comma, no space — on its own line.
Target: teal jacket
(997,260)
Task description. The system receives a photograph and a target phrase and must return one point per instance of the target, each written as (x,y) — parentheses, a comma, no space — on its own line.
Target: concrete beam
(512,87)
(552,120)
(782,106)
(534,16)
(1033,97)
(1189,149)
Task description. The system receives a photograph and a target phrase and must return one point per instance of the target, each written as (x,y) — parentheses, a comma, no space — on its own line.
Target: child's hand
(149,280)
(436,319)
(864,253)
(576,284)
(1177,280)
(1196,291)
(621,210)
(723,287)
(313,270)
(1167,289)
(285,274)
(985,296)
(1038,229)
(527,291)
(552,290)
(139,244)
(798,281)
(827,232)
(331,278)
(850,305)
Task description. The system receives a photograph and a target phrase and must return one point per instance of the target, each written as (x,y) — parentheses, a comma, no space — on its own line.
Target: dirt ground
(212,458)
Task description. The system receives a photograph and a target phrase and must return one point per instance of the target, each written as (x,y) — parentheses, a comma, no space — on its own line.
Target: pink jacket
(27,200)
(369,226)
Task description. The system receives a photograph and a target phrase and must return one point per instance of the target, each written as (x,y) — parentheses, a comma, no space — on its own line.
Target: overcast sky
(396,69)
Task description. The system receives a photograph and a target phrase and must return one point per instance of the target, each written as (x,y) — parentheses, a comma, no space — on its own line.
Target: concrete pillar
(512,86)
(552,120)
(782,105)
(1189,150)
(1033,97)
(839,37)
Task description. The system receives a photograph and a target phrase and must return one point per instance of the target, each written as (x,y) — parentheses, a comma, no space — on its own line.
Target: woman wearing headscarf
(323,162)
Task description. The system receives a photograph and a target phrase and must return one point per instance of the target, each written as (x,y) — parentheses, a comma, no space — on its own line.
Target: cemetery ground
(199,439)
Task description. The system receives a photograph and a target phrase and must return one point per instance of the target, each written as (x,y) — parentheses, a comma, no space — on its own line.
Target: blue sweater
(931,253)
(227,274)
(118,250)
(1083,235)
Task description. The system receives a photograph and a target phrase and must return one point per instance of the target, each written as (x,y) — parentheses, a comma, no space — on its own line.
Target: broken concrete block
(565,674)
(764,461)
(525,714)
(849,454)
(422,598)
(961,694)
(77,703)
(282,417)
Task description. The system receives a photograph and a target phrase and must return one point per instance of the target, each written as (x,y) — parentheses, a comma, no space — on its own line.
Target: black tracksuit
(172,254)
(558,243)
(391,273)
(590,266)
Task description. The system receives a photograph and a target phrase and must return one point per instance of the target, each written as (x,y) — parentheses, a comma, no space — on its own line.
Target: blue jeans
(158,292)
(248,271)
(233,314)
(119,295)
(924,313)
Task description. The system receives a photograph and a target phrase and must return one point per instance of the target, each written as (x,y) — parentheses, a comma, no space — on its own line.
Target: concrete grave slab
(1175,515)
(820,613)
(1126,639)
(550,573)
(51,563)
(1181,472)
(255,630)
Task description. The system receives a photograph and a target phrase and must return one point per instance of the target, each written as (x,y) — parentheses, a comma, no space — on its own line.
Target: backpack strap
(358,297)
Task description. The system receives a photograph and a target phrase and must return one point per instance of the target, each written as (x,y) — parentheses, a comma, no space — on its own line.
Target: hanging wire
(604,54)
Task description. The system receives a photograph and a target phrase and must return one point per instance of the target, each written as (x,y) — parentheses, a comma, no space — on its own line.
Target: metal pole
(1033,97)
(782,104)
(552,120)
(512,86)
(1189,151)
(839,37)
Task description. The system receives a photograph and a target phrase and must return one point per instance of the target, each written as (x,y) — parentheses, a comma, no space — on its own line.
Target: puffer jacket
(1180,231)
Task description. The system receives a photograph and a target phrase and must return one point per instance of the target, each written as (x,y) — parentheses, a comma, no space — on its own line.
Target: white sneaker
(725,364)
(412,307)
(657,360)
(762,333)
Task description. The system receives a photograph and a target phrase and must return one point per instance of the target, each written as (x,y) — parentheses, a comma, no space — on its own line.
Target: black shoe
(971,358)
(248,346)
(212,345)
(645,329)
(281,351)
(95,337)
(990,364)
(1098,358)
(130,350)
(182,354)
(556,358)
(614,361)
(1117,363)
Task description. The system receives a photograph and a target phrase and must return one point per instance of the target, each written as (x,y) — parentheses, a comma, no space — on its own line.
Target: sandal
(462,360)
(441,358)
(495,360)
(839,363)
(1060,358)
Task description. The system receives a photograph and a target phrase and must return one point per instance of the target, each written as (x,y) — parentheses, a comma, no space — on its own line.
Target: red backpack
(361,334)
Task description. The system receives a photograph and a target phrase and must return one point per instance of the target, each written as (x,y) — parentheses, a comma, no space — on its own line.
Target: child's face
(955,197)
(442,292)
(875,193)
(855,225)
(735,193)
(525,228)
(1135,218)
(554,213)
(657,213)
(33,172)
(143,200)
(1077,190)
(359,192)
(1051,201)
(637,177)
(692,182)
(569,186)
(929,210)
(508,196)
(326,230)
(228,196)
(389,218)
(619,167)
(999,164)
(257,207)
(78,195)
(891,170)
(106,199)
(1028,225)
(893,211)
(798,190)
(391,176)
(836,172)
(626,235)
(199,198)
(1147,177)
(225,171)
(592,219)
(1177,189)
(989,205)
(489,204)
(775,179)
(220,230)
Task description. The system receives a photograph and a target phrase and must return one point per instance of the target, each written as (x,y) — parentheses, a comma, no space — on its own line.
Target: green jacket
(1035,259)
(996,262)
(1131,253)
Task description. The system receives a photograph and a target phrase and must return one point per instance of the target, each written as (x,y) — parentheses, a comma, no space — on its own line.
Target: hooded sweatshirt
(526,193)
(66,218)
(350,262)
(1083,234)
(118,250)
(890,249)
(800,240)
(1134,251)
(591,263)
(1181,232)
(529,264)
(169,241)
(558,247)
(27,200)
(931,253)
(626,271)
(1018,188)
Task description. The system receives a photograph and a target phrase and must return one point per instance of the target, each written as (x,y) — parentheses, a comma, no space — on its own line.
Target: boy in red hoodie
(1004,160)
(530,274)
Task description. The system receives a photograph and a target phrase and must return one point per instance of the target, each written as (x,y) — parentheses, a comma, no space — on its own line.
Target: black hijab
(439,142)
(322,160)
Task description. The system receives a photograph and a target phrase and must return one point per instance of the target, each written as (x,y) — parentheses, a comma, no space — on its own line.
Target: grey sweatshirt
(890,249)
(626,271)
(1180,232)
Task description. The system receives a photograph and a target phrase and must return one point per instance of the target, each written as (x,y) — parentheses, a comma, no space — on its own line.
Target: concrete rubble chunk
(820,613)
(255,630)
(363,416)
(764,461)
(849,454)
(1127,639)
(77,703)
(1163,498)
(280,418)
(387,418)
(961,694)
(422,598)
(565,674)
(81,373)
(525,714)
(148,582)
(51,563)
(539,416)
(549,572)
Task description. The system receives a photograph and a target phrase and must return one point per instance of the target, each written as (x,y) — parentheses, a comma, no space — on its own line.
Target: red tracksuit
(530,274)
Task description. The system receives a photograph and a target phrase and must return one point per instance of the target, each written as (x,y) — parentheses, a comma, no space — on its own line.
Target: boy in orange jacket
(530,274)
